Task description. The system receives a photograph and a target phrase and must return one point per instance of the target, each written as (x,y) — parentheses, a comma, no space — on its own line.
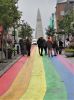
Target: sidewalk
(71,59)
(8,63)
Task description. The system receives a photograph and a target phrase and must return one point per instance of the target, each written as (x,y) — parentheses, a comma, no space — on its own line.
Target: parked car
(34,41)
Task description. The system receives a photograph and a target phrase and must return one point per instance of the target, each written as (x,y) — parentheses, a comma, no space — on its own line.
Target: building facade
(60,12)
(63,7)
(69,6)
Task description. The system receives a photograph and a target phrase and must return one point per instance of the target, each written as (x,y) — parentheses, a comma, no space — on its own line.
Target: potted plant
(69,52)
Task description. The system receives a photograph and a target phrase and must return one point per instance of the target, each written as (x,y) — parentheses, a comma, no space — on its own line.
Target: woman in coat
(28,46)
(49,46)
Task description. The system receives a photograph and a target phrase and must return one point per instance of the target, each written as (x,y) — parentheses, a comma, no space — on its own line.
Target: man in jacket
(40,45)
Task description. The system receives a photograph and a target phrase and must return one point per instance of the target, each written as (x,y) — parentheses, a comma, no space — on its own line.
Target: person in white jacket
(67,43)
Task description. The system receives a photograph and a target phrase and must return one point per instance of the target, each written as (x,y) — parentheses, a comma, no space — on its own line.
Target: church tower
(39,28)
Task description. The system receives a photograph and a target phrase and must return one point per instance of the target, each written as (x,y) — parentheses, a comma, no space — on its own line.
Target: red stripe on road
(67,63)
(7,79)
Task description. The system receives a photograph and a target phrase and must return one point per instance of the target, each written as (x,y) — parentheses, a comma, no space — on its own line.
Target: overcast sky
(29,10)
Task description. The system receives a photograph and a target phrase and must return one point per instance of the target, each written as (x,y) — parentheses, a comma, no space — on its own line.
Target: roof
(61,1)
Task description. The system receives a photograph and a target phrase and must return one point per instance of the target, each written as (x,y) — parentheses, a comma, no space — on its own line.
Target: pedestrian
(40,45)
(67,43)
(28,46)
(49,46)
(25,47)
(22,48)
(55,46)
(45,46)
(60,46)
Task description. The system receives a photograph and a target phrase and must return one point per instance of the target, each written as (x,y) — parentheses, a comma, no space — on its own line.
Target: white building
(39,28)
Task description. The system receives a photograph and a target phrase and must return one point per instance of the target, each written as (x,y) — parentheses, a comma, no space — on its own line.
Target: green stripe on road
(55,89)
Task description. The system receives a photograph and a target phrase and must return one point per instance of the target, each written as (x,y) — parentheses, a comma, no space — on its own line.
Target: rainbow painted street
(38,78)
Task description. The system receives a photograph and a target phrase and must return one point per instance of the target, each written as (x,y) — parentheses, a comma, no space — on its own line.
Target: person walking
(49,46)
(28,46)
(60,46)
(22,48)
(45,46)
(55,46)
(40,45)
(67,43)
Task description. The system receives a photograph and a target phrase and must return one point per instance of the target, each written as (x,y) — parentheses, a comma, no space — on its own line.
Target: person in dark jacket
(28,46)
(22,48)
(60,46)
(40,45)
(45,46)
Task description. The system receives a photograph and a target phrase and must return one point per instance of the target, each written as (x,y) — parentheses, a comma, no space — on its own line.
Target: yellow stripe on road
(37,86)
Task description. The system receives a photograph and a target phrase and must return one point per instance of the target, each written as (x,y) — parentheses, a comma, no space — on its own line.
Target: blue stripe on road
(66,75)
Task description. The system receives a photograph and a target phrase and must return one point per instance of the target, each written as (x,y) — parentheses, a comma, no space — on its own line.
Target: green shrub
(69,50)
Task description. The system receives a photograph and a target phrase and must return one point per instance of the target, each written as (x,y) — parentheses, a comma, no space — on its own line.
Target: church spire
(39,28)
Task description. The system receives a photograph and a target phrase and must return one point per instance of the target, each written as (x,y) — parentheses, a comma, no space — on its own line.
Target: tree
(9,13)
(65,23)
(26,30)
(50,31)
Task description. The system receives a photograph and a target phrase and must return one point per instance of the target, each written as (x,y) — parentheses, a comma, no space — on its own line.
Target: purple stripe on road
(67,63)
(66,76)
